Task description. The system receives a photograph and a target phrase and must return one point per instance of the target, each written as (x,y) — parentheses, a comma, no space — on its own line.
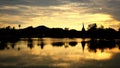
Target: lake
(59,53)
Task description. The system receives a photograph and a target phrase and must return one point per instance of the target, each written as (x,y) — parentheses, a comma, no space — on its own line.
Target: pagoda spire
(83,28)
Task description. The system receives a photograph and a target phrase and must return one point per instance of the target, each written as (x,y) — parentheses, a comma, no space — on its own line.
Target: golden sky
(59,13)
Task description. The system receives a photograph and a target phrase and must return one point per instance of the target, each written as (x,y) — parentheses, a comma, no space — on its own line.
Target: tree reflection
(3,45)
(93,44)
(118,43)
(73,43)
(59,44)
(41,43)
(66,43)
(5,41)
(13,42)
(30,43)
(101,44)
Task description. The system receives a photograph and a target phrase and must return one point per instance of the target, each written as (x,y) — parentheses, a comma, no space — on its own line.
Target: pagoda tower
(83,28)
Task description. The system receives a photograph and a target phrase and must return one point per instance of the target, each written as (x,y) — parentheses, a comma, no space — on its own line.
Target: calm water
(59,53)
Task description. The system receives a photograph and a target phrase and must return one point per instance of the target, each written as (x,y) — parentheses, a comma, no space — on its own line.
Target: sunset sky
(60,13)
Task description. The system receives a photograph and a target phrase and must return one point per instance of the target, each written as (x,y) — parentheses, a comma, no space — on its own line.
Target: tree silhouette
(19,26)
(92,26)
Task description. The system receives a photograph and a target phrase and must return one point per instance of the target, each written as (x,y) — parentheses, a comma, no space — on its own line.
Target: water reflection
(72,43)
(59,53)
(101,44)
(7,43)
(41,43)
(92,44)
(58,44)
(30,43)
(83,42)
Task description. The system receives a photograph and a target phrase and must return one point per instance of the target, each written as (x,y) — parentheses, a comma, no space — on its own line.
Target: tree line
(43,31)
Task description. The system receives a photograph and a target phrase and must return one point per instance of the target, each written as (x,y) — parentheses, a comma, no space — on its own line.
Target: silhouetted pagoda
(83,32)
(83,28)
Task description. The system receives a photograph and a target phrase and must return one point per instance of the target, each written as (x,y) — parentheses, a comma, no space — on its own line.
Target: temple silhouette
(42,31)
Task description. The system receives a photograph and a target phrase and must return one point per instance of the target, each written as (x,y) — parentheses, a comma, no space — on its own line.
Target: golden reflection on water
(71,53)
(58,56)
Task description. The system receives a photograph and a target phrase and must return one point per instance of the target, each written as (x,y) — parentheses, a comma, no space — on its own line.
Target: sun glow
(61,16)
(74,20)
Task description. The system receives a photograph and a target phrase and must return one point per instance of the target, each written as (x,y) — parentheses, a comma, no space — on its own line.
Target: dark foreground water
(59,53)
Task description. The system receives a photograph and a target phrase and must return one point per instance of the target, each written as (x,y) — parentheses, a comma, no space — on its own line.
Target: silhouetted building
(83,32)
(83,28)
